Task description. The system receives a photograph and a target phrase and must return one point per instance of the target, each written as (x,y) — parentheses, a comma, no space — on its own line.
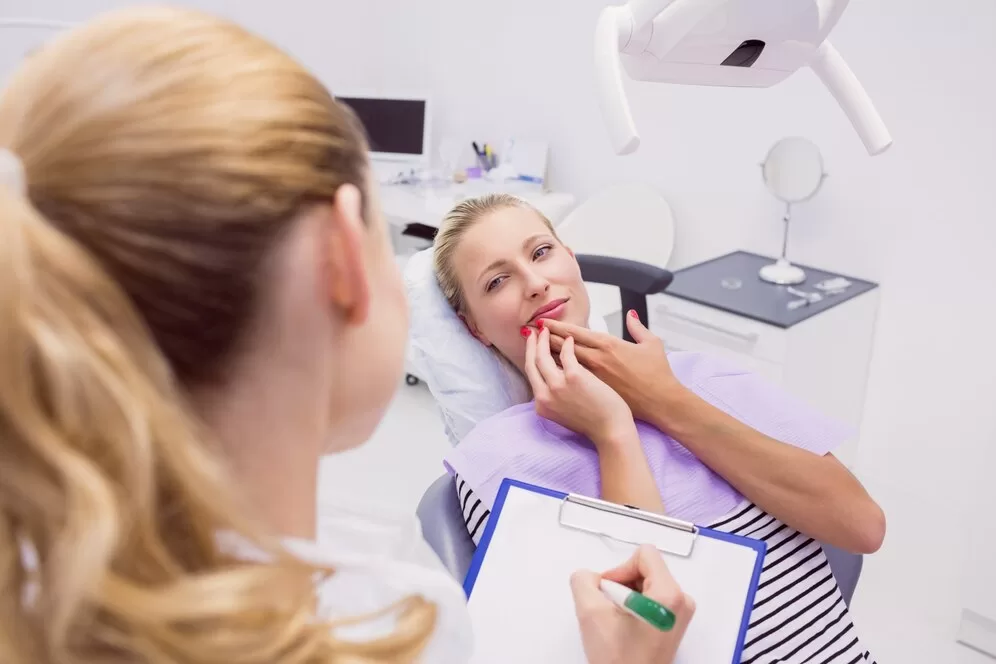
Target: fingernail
(632,313)
(539,324)
(525,331)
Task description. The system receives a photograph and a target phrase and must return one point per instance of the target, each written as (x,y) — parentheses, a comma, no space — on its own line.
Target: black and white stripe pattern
(475,514)
(799,615)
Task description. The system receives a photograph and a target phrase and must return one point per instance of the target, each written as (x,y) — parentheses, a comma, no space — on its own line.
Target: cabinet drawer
(713,330)
(677,342)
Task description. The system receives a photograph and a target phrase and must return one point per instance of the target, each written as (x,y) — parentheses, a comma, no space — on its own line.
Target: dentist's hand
(572,396)
(612,636)
(639,372)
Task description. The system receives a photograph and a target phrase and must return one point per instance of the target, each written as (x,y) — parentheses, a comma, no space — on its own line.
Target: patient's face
(513,272)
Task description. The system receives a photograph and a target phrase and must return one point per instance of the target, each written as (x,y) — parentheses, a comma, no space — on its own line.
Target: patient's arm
(625,473)
(814,494)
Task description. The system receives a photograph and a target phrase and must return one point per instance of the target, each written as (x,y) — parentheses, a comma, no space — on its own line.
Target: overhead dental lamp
(734,43)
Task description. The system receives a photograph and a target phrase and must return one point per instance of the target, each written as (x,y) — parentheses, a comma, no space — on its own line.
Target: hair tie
(12,173)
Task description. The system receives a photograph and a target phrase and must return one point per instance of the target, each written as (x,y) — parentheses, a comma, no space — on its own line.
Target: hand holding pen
(612,634)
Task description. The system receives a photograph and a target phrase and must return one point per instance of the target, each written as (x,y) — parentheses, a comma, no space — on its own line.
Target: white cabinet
(822,359)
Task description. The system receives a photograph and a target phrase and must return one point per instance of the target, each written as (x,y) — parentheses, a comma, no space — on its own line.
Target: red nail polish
(539,324)
(632,312)
(525,331)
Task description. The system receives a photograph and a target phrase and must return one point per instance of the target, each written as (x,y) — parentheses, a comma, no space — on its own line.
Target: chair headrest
(469,381)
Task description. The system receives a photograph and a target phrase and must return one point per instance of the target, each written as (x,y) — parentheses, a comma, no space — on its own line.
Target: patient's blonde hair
(455,225)
(165,154)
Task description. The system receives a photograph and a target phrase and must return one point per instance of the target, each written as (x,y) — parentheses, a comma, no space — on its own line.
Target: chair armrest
(635,281)
(634,276)
(846,568)
(443,527)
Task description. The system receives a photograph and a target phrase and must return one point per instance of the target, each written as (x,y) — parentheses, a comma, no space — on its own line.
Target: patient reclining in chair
(679,433)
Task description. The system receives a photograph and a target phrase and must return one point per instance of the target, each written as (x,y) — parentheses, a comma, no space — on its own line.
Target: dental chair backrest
(631,221)
(471,382)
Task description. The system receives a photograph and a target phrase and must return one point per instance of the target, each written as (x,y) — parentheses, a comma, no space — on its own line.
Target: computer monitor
(397,126)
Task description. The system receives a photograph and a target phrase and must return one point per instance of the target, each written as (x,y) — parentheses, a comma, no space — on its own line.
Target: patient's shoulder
(689,367)
(758,402)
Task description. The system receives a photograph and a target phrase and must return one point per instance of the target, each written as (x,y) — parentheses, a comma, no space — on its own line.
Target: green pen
(639,605)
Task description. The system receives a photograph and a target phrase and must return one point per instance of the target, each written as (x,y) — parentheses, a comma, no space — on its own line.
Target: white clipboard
(518,585)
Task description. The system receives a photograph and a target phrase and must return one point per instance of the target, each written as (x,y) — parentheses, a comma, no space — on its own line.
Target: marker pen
(639,605)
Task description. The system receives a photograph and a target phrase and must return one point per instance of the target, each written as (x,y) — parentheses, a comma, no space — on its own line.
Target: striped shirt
(799,615)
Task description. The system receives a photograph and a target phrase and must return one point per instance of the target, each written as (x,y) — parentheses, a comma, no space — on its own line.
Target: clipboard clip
(631,525)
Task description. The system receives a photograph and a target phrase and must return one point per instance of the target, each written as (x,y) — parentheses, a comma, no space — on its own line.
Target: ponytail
(88,419)
(110,504)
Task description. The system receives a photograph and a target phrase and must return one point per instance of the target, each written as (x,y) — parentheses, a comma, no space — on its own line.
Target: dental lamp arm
(847,90)
(616,26)
(613,24)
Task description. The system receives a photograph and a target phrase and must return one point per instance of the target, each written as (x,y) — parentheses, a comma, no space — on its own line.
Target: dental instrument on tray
(829,288)
(733,43)
(811,298)
(834,286)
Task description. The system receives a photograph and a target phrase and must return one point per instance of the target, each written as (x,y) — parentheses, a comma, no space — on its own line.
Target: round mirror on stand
(793,173)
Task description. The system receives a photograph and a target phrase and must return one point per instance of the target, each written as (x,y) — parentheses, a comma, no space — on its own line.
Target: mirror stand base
(782,273)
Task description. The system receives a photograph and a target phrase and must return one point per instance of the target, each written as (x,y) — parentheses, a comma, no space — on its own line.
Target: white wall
(919,218)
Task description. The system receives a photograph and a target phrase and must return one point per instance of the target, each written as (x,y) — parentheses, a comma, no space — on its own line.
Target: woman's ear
(474,330)
(344,257)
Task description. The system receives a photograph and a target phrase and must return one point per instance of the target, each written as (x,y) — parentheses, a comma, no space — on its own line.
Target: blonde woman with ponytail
(197,300)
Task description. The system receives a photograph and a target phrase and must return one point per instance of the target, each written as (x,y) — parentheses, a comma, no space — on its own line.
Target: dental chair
(642,230)
(470,384)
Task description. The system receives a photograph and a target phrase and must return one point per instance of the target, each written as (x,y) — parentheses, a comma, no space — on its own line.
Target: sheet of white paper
(521,603)
(528,157)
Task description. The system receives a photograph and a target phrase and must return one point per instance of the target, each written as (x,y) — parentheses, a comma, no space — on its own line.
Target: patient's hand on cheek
(573,397)
(640,372)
